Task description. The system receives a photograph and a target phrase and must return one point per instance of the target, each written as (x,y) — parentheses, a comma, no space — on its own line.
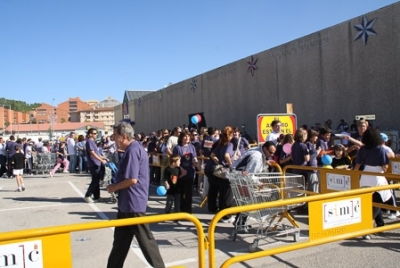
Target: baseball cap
(384,137)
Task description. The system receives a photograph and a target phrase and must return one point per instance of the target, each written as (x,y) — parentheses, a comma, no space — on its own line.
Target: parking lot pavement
(59,201)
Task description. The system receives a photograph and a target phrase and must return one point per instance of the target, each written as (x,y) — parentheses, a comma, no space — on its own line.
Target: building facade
(340,72)
(104,115)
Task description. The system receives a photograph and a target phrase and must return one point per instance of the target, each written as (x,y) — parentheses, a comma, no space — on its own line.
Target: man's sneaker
(99,200)
(89,199)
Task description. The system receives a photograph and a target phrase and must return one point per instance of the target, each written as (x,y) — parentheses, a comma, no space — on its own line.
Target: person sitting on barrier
(340,160)
(374,158)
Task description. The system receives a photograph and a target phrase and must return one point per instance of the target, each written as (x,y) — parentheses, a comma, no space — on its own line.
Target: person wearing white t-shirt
(71,152)
(276,131)
(173,140)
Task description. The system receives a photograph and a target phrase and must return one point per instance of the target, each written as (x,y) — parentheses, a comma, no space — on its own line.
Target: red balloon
(199,118)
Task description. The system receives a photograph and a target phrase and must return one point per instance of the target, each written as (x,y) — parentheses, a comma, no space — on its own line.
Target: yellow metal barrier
(56,236)
(319,234)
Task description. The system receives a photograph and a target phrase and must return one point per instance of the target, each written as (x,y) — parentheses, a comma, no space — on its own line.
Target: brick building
(104,115)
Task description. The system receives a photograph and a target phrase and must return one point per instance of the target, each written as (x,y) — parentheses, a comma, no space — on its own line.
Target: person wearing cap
(387,149)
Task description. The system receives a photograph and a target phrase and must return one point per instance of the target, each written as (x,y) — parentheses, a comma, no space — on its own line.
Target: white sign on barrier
(395,167)
(338,182)
(341,213)
(22,255)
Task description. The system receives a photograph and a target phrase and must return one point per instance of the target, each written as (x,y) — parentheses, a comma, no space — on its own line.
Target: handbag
(220,171)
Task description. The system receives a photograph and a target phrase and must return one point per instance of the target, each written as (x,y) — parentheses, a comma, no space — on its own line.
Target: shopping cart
(44,162)
(266,187)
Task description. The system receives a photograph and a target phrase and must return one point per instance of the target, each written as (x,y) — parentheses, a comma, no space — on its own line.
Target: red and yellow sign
(289,124)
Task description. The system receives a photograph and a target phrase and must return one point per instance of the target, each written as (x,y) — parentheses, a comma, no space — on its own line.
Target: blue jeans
(72,163)
(94,187)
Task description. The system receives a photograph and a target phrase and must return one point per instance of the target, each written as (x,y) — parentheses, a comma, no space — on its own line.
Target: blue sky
(93,49)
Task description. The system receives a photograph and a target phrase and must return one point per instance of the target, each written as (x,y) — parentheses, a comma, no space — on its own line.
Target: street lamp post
(51,119)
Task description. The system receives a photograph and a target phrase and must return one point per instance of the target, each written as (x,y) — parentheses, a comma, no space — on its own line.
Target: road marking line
(134,248)
(44,206)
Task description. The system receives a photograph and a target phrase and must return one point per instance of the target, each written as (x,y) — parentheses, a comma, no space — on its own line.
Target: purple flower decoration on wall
(193,85)
(252,66)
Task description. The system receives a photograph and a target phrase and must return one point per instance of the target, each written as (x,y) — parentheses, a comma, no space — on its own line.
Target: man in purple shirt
(132,184)
(10,149)
(94,161)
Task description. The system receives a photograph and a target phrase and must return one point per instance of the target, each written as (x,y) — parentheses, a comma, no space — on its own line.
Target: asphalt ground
(59,201)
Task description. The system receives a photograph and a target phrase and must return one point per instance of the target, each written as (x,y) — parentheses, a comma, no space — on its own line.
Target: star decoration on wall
(365,29)
(139,101)
(252,66)
(193,85)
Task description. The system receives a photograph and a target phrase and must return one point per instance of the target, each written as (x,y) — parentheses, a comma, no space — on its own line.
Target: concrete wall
(325,75)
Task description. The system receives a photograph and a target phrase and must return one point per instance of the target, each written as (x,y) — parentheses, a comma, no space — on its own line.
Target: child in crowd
(171,175)
(341,160)
(18,163)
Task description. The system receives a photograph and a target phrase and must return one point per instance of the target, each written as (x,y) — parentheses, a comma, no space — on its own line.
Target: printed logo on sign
(338,182)
(395,167)
(22,255)
(341,213)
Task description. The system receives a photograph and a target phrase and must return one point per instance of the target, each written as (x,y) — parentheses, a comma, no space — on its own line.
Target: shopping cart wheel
(234,235)
(296,236)
(253,247)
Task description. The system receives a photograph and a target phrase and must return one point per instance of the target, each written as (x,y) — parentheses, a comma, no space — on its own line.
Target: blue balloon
(326,159)
(161,190)
(194,119)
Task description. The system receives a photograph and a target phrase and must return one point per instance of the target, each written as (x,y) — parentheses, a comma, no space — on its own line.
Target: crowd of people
(183,152)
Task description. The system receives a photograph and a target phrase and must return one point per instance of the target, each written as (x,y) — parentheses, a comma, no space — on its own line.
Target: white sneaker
(51,174)
(23,188)
(89,199)
(367,237)
(392,216)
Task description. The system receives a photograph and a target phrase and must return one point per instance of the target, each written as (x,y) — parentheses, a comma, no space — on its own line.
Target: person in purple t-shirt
(188,155)
(222,154)
(94,161)
(132,184)
(10,149)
